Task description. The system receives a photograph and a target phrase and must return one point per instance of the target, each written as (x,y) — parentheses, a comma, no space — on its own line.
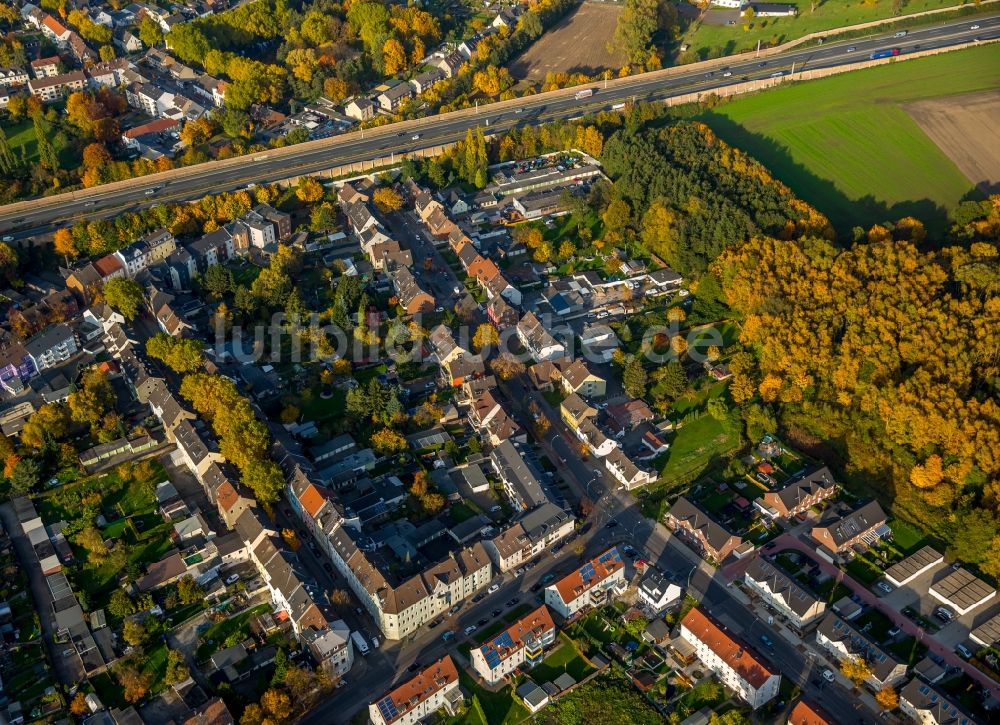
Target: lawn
(863,571)
(906,536)
(213,639)
(696,445)
(315,408)
(500,708)
(713,40)
(846,145)
(566,659)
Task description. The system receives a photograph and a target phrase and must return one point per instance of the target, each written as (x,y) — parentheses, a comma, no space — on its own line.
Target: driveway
(941,648)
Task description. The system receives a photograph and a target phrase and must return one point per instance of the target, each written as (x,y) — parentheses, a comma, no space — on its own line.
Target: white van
(359,642)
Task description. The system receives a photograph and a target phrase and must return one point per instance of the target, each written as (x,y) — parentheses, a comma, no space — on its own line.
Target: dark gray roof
(714,532)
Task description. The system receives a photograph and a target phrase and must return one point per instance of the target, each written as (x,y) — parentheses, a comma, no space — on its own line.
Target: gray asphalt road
(384,141)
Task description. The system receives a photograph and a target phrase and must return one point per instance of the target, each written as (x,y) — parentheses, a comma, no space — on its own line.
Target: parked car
(964,651)
(493,589)
(482,622)
(232,579)
(496,613)
(512,601)
(944,614)
(894,631)
(828,675)
(884,587)
(470,629)
(766,640)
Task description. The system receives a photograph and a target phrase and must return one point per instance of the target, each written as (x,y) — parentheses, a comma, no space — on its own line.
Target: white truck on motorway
(359,642)
(585,93)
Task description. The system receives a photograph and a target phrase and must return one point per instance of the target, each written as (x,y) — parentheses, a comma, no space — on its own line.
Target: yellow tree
(309,190)
(387,199)
(856,670)
(887,698)
(394,57)
(486,335)
(291,538)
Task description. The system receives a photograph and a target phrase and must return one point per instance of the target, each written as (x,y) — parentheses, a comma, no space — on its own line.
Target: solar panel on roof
(503,640)
(388,709)
(587,572)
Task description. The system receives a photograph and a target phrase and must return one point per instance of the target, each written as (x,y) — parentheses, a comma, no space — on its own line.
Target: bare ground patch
(578,44)
(965,129)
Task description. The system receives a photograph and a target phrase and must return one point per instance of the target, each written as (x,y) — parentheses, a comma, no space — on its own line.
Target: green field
(713,40)
(846,145)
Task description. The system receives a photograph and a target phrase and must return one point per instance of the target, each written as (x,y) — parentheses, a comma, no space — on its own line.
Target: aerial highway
(22,220)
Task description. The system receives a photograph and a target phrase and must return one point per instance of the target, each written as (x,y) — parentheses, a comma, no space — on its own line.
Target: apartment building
(332,648)
(522,645)
(628,472)
(589,586)
(12,77)
(843,642)
(700,530)
(802,607)
(731,661)
(54,88)
(863,526)
(51,346)
(152,248)
(799,496)
(519,477)
(434,688)
(535,532)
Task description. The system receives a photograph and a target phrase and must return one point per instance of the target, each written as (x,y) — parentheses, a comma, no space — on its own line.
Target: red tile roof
(726,648)
(160,125)
(531,625)
(51,60)
(423,686)
(805,714)
(312,500)
(108,265)
(54,25)
(227,496)
(573,585)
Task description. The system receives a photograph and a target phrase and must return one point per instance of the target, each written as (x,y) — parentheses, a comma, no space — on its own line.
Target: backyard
(567,659)
(228,632)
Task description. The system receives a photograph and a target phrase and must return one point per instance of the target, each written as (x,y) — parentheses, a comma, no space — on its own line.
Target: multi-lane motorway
(383,142)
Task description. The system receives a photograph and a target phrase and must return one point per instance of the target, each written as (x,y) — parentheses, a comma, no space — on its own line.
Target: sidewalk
(904,623)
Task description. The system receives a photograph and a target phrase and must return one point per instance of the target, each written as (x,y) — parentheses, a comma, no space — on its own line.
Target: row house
(110,74)
(592,585)
(777,589)
(152,248)
(501,314)
(450,64)
(423,82)
(799,496)
(360,109)
(926,704)
(732,661)
(331,648)
(863,526)
(13,77)
(844,642)
(538,341)
(412,296)
(392,98)
(55,88)
(534,533)
(399,608)
(220,245)
(696,527)
(289,593)
(572,376)
(519,647)
(416,700)
(443,346)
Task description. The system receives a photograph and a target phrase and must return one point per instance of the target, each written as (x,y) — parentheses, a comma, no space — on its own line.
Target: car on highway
(727,74)
(493,589)
(150,192)
(851,49)
(521,110)
(884,587)
(828,675)
(416,137)
(901,34)
(974,27)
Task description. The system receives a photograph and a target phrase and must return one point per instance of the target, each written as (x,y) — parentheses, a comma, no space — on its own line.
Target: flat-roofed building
(905,571)
(732,662)
(988,633)
(963,591)
(802,607)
